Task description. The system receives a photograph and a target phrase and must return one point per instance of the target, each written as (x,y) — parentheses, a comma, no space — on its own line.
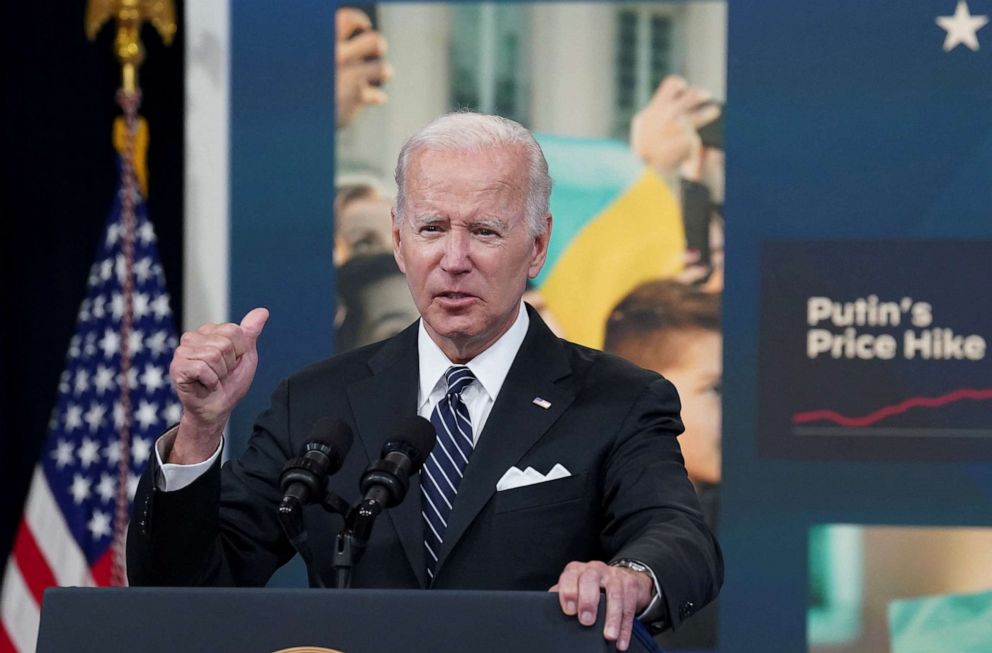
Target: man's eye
(485,232)
(430,229)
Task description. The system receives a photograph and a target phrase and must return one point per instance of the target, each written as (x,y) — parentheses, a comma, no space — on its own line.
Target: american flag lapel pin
(543,403)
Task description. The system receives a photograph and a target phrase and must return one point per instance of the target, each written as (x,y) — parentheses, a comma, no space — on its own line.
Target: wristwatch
(633,565)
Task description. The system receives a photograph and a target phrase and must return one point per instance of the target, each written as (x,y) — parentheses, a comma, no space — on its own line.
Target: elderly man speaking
(613,512)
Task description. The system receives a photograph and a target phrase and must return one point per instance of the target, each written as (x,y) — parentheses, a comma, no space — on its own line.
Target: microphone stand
(291,519)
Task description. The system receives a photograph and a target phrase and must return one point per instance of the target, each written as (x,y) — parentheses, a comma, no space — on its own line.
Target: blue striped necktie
(445,466)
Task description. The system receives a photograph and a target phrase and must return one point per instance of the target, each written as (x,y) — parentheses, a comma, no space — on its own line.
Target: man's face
(465,246)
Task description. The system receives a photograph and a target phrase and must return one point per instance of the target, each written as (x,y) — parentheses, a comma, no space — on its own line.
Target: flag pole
(129,16)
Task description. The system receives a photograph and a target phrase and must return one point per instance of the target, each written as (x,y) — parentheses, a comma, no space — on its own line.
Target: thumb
(254,321)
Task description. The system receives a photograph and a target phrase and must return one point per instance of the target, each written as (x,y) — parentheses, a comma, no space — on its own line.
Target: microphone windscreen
(334,435)
(415,437)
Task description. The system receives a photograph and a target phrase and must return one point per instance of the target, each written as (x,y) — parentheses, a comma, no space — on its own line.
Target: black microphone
(385,482)
(303,478)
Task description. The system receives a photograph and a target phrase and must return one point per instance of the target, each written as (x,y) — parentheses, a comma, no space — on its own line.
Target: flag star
(63,454)
(74,346)
(132,378)
(106,267)
(962,28)
(82,381)
(94,416)
(143,269)
(84,311)
(98,305)
(120,268)
(106,487)
(113,233)
(140,306)
(152,379)
(88,452)
(113,451)
(64,381)
(136,342)
(111,343)
(141,449)
(73,417)
(156,343)
(117,305)
(147,414)
(89,347)
(172,413)
(118,417)
(146,233)
(103,380)
(80,488)
(99,524)
(132,485)
(161,306)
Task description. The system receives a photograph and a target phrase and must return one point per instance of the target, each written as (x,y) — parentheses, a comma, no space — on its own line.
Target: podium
(215,620)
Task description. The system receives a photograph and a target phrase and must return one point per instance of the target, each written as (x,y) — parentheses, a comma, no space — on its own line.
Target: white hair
(475,132)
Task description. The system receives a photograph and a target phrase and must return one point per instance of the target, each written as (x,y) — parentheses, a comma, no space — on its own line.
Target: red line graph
(895,409)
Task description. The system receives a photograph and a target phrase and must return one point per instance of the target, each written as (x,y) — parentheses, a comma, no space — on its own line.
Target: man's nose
(457,256)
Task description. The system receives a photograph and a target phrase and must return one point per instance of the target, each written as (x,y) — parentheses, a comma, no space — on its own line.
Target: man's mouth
(454,295)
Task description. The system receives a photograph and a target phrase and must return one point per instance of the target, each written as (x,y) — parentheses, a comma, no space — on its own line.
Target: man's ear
(397,242)
(541,242)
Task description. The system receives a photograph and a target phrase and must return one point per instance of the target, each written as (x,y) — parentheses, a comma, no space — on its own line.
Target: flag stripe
(36,573)
(18,611)
(46,521)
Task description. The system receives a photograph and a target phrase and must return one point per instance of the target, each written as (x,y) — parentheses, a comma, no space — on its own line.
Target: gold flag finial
(130,14)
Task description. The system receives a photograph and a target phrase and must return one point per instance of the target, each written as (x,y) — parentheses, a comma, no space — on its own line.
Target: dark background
(60,177)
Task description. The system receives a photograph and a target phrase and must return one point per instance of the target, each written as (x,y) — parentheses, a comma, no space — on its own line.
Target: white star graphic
(84,311)
(136,341)
(106,487)
(141,449)
(140,306)
(143,269)
(64,381)
(161,306)
(98,303)
(94,416)
(63,454)
(88,452)
(80,488)
(962,28)
(82,381)
(73,417)
(103,380)
(111,343)
(152,378)
(106,267)
(120,267)
(99,524)
(132,378)
(145,233)
(113,452)
(89,346)
(156,343)
(147,414)
(74,346)
(117,306)
(118,415)
(113,233)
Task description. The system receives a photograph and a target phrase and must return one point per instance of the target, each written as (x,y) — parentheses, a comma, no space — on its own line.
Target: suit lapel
(379,402)
(514,425)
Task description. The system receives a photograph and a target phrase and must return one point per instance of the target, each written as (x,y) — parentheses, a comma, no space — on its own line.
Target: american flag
(72,515)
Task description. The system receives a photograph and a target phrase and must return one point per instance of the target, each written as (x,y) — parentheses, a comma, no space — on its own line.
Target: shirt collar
(490,367)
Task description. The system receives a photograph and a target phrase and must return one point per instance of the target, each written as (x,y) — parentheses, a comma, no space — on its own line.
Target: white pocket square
(514,478)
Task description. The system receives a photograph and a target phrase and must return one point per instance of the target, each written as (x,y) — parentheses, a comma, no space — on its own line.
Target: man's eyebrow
(428,218)
(496,224)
